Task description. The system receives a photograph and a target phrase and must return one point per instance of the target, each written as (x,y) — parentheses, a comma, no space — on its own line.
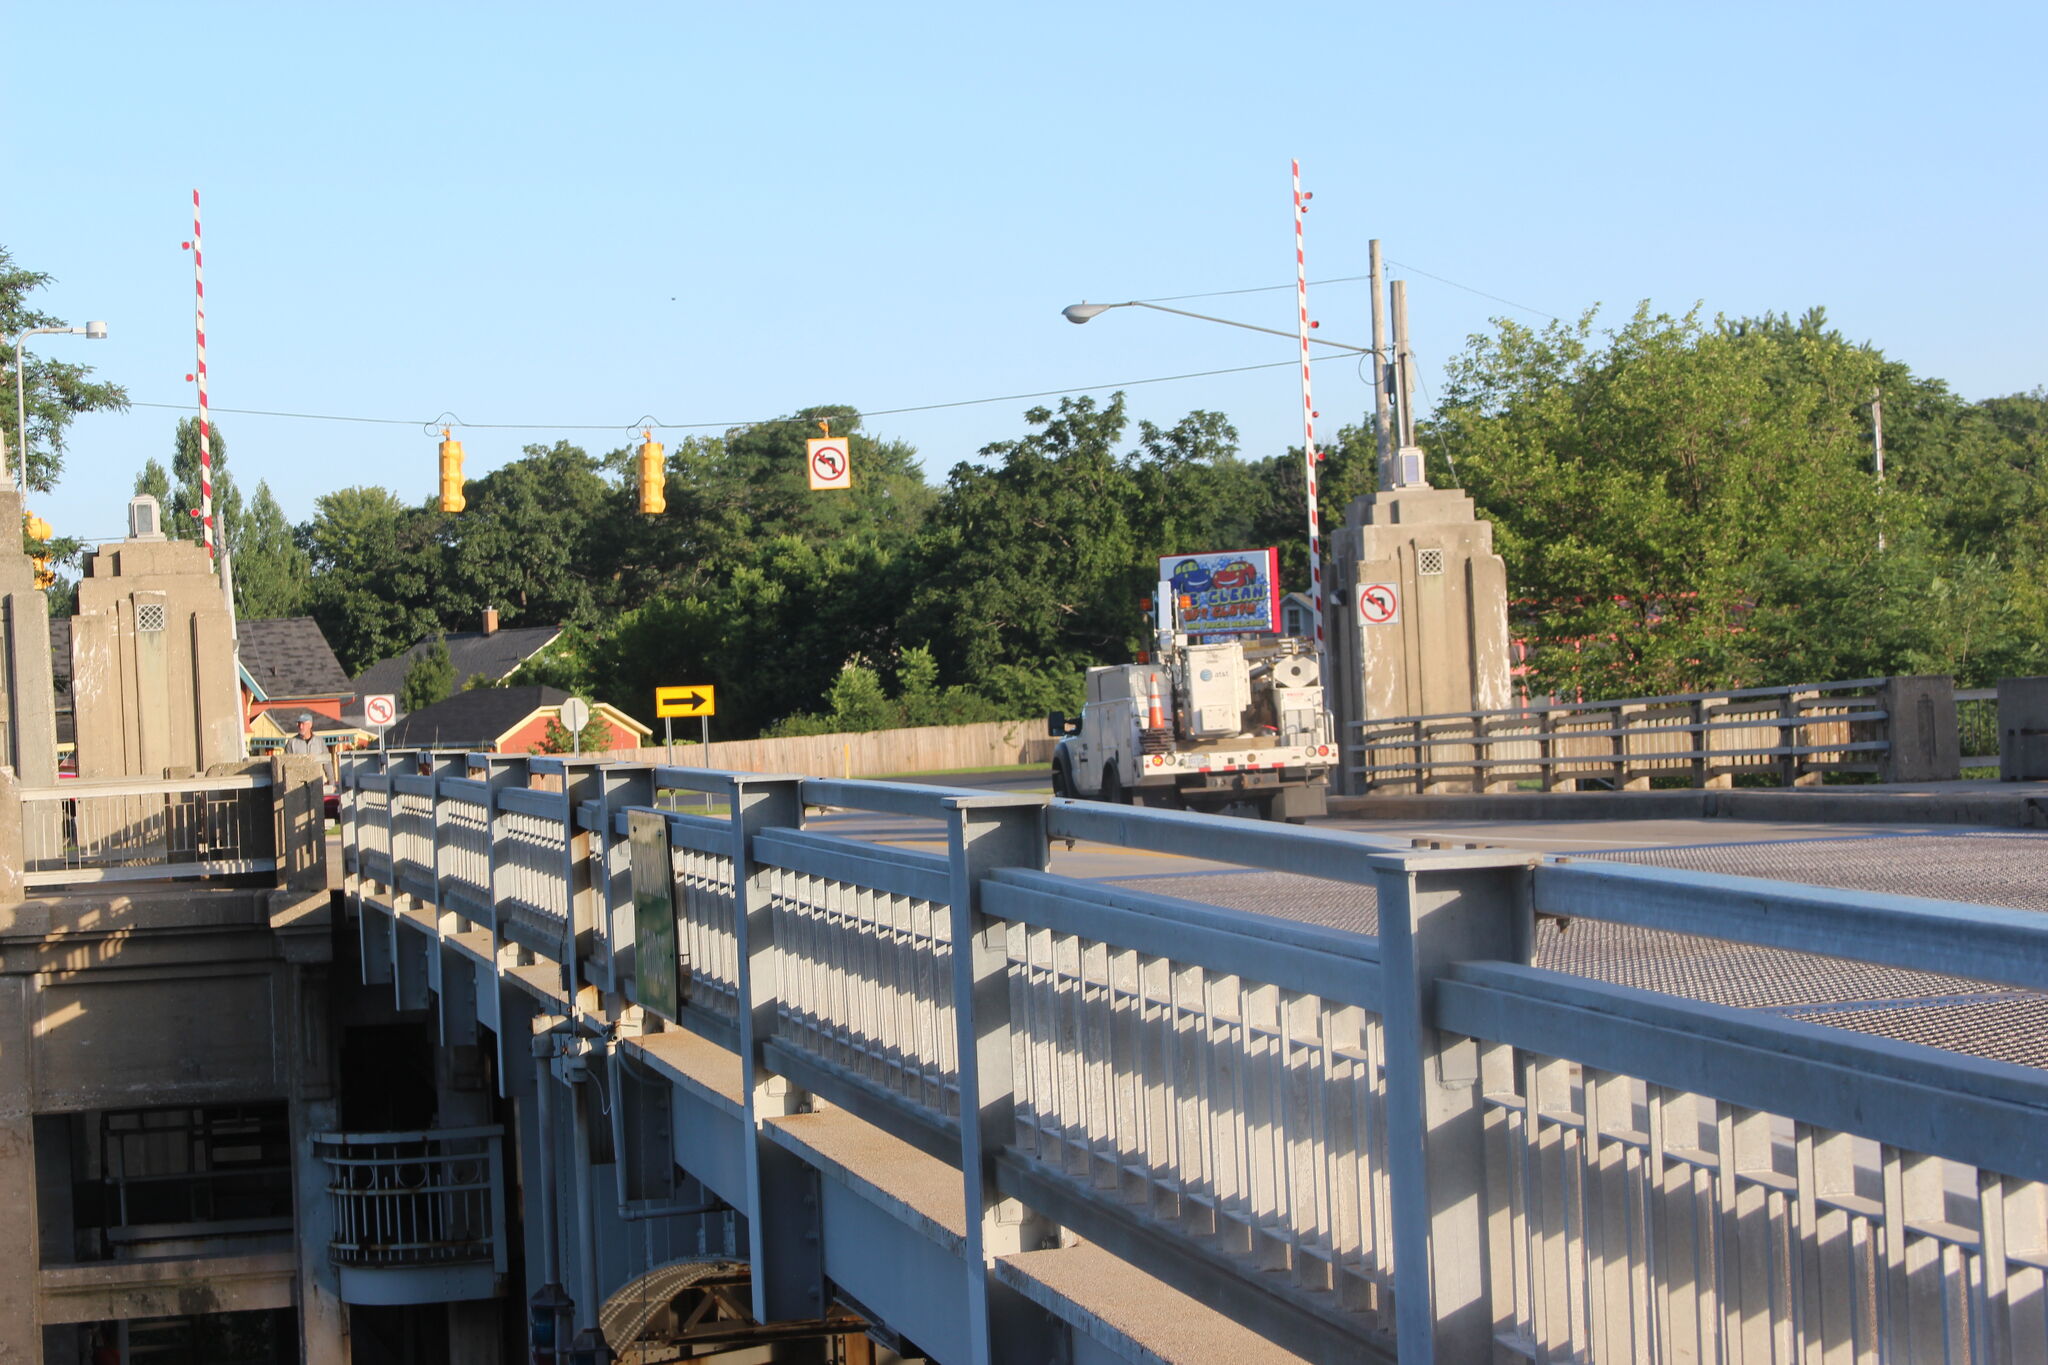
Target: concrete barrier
(873,753)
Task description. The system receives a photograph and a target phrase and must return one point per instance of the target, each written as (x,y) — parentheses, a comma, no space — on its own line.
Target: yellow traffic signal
(451,474)
(39,531)
(653,474)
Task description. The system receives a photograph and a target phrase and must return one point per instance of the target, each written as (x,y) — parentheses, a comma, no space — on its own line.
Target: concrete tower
(153,657)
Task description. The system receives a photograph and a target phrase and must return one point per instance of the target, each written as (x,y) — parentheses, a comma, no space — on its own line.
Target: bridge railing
(1354,1142)
(1793,734)
(141,829)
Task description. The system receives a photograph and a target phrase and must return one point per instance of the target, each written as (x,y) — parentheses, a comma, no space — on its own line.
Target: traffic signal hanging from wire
(653,474)
(451,474)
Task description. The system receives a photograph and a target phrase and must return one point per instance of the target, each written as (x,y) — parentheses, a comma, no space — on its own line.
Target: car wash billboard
(1230,592)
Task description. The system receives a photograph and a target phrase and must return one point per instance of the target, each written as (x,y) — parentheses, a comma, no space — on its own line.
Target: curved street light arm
(1080,312)
(95,331)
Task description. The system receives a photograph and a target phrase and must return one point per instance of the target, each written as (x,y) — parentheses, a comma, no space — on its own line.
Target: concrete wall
(876,753)
(28,702)
(153,663)
(1446,647)
(150,994)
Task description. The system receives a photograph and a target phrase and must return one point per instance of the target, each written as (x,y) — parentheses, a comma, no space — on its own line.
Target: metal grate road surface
(2008,868)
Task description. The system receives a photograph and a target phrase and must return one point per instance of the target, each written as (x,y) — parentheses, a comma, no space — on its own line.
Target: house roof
(494,654)
(479,718)
(289,659)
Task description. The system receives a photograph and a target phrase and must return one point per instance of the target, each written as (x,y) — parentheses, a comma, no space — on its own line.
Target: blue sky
(574,216)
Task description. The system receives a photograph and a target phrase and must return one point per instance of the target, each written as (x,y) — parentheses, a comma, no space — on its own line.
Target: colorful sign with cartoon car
(1230,592)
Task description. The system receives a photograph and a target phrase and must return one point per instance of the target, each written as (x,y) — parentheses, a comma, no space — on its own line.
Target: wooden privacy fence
(931,748)
(1892,729)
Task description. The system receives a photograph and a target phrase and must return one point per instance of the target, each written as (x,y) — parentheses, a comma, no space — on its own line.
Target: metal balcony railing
(132,830)
(426,1200)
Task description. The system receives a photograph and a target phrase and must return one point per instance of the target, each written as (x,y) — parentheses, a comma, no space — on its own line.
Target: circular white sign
(380,710)
(575,714)
(1379,604)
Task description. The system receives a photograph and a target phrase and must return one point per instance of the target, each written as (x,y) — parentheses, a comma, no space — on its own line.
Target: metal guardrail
(1795,734)
(1410,1145)
(1977,726)
(416,1199)
(130,830)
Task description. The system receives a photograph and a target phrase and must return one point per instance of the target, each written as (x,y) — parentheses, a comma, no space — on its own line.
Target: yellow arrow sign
(685,701)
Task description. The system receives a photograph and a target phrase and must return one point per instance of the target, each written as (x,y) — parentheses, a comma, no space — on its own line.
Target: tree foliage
(272,575)
(430,679)
(182,519)
(596,737)
(58,389)
(1682,503)
(1686,505)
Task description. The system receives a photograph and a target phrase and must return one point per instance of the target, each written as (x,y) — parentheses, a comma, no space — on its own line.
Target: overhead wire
(1354,279)
(452,419)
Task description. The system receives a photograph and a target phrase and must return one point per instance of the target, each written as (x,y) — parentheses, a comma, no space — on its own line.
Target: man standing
(303,742)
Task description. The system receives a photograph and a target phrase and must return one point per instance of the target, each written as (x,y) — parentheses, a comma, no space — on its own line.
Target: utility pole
(1382,436)
(1408,456)
(1877,439)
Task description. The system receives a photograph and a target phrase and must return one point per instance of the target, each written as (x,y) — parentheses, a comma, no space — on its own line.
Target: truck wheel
(1113,786)
(1062,782)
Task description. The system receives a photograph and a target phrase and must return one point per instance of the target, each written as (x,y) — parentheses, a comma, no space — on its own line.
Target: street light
(92,331)
(1078,313)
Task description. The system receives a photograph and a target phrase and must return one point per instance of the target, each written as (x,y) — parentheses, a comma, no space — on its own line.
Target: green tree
(156,483)
(58,390)
(525,543)
(1034,558)
(595,738)
(377,569)
(182,518)
(270,568)
(1642,483)
(430,679)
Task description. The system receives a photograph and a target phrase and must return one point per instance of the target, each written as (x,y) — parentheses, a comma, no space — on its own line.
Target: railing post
(1920,725)
(439,766)
(622,786)
(1626,751)
(585,878)
(984,833)
(497,772)
(1437,909)
(786,1252)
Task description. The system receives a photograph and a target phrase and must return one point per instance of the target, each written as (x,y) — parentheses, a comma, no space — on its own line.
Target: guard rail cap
(1328,854)
(915,799)
(1553,707)
(416,1135)
(714,781)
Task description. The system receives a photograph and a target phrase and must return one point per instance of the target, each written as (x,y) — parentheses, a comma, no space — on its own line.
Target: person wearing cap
(303,742)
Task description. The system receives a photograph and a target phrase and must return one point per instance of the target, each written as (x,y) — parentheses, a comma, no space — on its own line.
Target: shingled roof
(290,660)
(494,654)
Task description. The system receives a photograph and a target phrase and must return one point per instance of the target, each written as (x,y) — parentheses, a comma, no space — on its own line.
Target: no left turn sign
(380,710)
(829,466)
(1379,604)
